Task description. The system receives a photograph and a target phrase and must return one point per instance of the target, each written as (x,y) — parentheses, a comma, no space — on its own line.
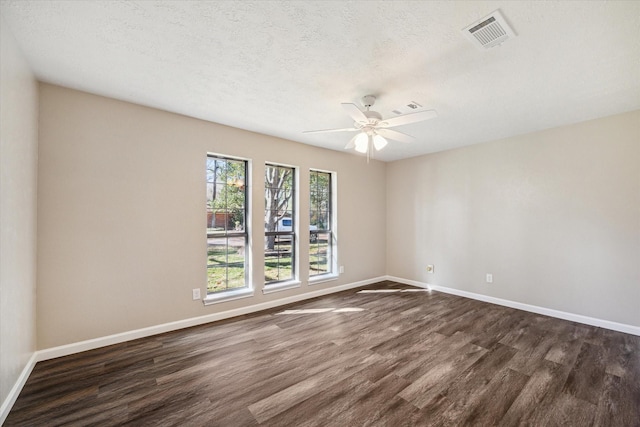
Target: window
(321,232)
(227,234)
(279,224)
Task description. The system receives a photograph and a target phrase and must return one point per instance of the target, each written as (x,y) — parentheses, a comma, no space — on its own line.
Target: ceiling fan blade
(408,118)
(331,130)
(395,135)
(356,114)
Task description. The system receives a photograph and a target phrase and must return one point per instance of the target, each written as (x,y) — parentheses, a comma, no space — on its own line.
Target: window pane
(323,220)
(319,255)
(313,219)
(286,222)
(278,261)
(236,207)
(225,263)
(285,258)
(323,201)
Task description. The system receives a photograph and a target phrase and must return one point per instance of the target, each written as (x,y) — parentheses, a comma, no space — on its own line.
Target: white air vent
(489,31)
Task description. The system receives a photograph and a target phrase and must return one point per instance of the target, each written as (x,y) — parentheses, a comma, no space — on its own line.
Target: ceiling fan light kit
(373,130)
(361,142)
(379,142)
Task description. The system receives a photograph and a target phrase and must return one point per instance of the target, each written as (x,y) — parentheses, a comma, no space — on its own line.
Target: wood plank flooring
(397,357)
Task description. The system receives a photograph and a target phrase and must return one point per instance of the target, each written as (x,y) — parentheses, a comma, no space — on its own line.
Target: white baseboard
(91,344)
(65,350)
(17,388)
(607,324)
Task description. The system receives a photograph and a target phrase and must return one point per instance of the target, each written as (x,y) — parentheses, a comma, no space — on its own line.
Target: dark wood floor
(399,358)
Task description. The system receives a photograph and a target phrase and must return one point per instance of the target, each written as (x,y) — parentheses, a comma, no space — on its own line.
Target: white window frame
(333,229)
(247,290)
(294,281)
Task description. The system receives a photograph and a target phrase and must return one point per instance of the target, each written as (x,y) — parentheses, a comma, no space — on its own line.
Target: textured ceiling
(282,67)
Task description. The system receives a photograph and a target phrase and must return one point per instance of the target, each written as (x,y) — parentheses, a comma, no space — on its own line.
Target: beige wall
(553,215)
(121,214)
(18,178)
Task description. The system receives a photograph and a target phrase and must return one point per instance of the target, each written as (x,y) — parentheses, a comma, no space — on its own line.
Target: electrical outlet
(489,278)
(341,269)
(430,268)
(195,293)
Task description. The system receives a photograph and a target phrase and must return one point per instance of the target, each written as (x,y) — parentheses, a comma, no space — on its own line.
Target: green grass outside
(225,268)
(225,265)
(318,261)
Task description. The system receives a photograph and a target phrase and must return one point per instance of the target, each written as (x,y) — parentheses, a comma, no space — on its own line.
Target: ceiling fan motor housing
(368,100)
(373,118)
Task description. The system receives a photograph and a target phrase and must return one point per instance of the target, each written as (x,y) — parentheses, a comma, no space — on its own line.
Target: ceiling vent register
(489,31)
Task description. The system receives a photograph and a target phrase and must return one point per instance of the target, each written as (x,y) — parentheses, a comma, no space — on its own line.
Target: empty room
(319,213)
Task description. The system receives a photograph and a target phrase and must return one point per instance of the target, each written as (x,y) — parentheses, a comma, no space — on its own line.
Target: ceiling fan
(373,131)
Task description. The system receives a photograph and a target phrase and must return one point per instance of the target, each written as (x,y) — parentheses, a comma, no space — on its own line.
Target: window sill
(268,289)
(227,296)
(321,279)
